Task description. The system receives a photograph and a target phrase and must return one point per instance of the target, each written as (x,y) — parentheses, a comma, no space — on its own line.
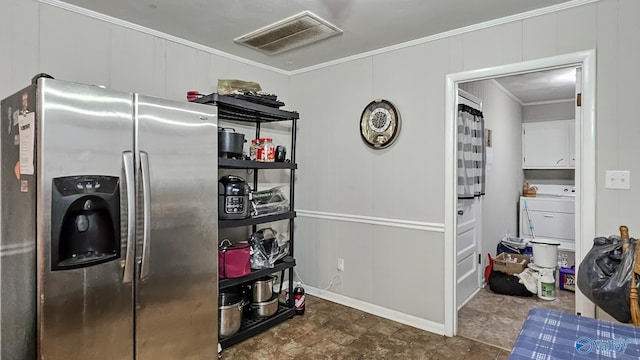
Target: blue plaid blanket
(550,335)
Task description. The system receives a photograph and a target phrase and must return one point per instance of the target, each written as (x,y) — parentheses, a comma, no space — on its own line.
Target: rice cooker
(233,198)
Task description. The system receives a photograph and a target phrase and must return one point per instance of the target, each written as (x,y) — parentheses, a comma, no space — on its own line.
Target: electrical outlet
(617,179)
(340,264)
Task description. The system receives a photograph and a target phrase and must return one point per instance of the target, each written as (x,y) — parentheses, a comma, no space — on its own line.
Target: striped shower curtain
(471,152)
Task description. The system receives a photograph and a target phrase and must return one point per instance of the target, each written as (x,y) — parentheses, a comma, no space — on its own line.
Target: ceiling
(367,24)
(541,86)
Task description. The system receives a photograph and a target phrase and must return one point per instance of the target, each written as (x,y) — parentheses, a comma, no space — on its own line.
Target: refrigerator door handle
(129,259)
(146,203)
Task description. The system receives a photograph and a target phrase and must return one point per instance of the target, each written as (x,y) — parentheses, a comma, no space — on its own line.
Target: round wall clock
(379,124)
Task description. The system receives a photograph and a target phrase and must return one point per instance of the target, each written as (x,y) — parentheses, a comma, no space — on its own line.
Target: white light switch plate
(615,179)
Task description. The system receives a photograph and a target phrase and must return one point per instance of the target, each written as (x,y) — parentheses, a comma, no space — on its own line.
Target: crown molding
(446,34)
(129,25)
(548,102)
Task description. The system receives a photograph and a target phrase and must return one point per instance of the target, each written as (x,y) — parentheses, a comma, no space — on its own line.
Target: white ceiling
(368,24)
(541,86)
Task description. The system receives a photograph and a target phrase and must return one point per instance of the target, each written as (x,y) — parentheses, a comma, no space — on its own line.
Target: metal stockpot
(263,289)
(229,313)
(264,309)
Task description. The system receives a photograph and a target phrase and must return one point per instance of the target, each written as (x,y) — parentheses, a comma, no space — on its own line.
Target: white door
(468,268)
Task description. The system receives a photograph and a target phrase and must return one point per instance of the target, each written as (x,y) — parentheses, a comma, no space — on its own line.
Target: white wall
(348,183)
(396,265)
(547,112)
(504,176)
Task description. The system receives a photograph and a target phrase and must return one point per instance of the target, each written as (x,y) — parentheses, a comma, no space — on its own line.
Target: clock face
(380,120)
(379,124)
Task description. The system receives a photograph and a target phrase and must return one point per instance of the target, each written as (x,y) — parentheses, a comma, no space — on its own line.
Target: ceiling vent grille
(298,30)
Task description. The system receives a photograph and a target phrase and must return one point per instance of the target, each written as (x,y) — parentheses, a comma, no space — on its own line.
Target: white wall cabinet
(548,145)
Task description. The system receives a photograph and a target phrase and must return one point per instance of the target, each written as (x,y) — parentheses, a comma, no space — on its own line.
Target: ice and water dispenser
(85,221)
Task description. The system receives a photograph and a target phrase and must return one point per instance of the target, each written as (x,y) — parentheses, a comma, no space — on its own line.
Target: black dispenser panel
(85,221)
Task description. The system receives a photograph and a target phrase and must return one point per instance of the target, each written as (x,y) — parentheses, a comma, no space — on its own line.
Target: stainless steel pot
(229,313)
(230,142)
(265,309)
(263,289)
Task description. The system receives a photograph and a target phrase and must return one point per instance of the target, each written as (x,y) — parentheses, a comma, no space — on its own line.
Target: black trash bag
(604,276)
(505,284)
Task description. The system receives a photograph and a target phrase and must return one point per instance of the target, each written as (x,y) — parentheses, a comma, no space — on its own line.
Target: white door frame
(584,173)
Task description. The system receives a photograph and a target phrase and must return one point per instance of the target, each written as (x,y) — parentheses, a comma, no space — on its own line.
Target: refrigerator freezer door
(85,312)
(176,293)
(17,239)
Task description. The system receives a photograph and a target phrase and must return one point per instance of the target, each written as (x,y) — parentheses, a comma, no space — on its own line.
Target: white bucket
(545,252)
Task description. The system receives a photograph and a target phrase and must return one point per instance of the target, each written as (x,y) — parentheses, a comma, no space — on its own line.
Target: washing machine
(550,215)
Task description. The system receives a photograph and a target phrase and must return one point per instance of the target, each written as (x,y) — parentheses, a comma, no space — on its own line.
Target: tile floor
(331,331)
(497,319)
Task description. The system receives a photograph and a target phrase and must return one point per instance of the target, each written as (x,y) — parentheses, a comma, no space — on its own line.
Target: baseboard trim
(396,316)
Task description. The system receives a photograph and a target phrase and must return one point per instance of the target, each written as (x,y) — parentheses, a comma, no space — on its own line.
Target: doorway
(584,168)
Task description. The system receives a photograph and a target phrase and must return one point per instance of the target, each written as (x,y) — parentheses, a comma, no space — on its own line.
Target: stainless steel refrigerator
(108,225)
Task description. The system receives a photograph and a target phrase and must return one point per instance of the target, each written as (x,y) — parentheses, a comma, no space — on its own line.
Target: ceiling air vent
(301,29)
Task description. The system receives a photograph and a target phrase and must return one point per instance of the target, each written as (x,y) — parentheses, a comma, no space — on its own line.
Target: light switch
(615,179)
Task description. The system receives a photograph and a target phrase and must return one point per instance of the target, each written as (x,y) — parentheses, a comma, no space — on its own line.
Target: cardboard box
(501,263)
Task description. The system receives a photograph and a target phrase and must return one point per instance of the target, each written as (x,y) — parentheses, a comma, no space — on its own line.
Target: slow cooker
(233,198)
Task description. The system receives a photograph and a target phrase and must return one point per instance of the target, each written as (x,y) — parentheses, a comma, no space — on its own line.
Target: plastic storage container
(253,150)
(261,155)
(269,150)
